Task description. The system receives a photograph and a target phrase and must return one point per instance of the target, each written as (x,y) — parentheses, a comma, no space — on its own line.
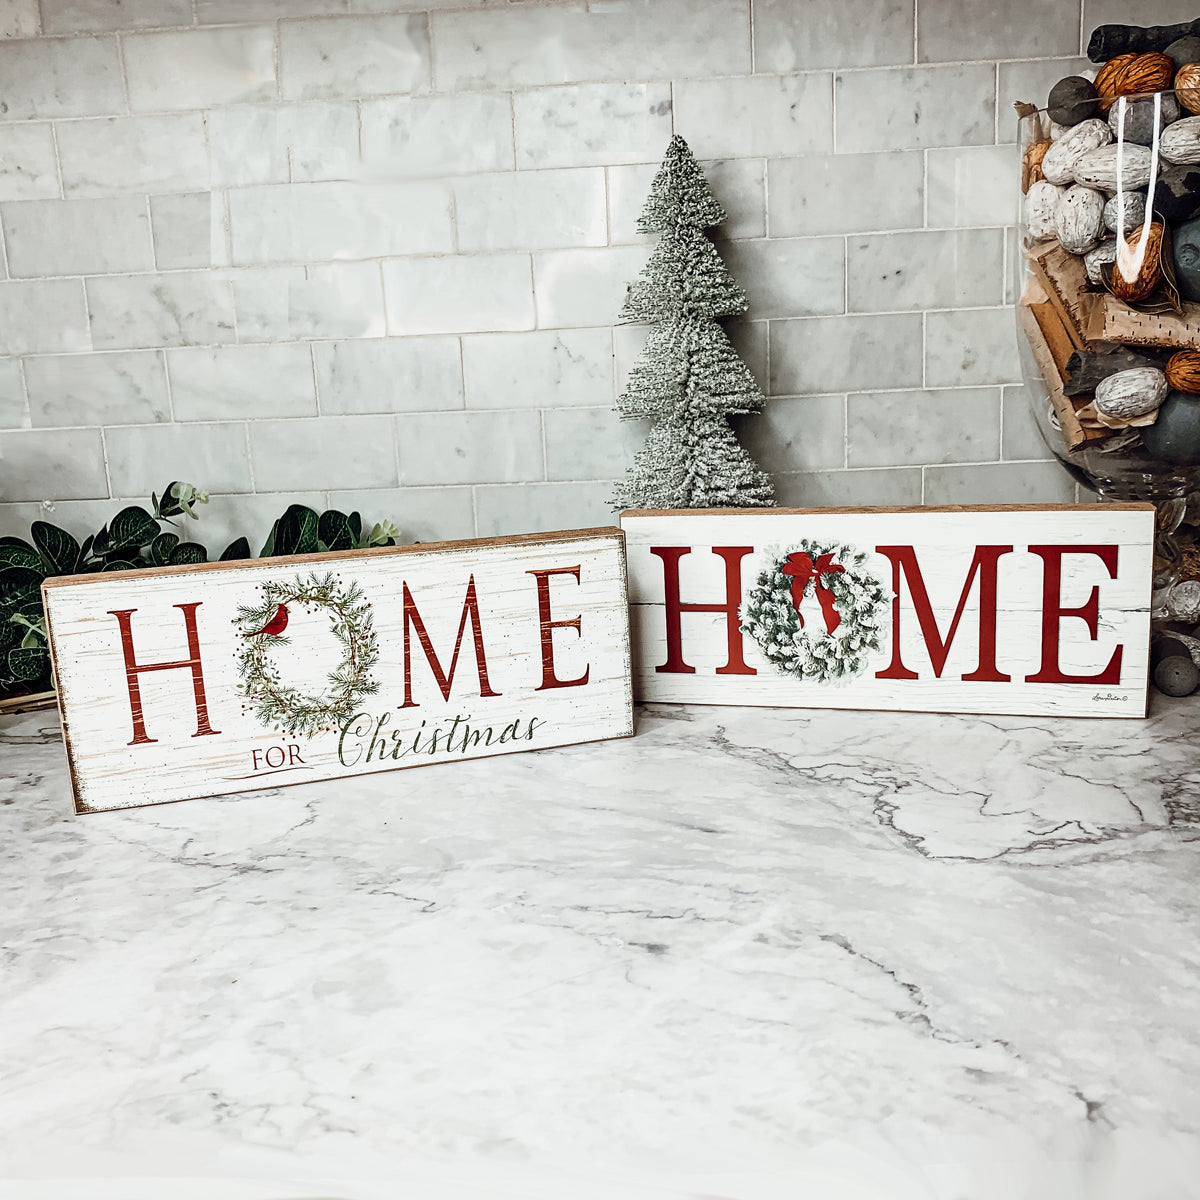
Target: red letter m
(904,563)
(412,619)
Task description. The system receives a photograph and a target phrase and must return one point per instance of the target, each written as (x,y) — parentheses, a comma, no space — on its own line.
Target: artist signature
(1107,696)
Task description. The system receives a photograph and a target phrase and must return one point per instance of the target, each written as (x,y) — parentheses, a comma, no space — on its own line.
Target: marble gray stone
(769,947)
(119,388)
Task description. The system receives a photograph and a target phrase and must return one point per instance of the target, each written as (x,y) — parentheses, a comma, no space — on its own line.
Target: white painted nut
(1079,220)
(1131,393)
(1041,203)
(1059,164)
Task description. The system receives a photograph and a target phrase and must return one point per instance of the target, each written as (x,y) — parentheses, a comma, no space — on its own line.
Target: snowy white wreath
(842,632)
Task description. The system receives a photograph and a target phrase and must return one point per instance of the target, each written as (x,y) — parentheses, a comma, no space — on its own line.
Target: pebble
(1177,676)
(1072,100)
(1175,435)
(1186,255)
(1184,50)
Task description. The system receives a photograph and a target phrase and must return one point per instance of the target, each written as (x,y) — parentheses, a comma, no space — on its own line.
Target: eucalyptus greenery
(137,538)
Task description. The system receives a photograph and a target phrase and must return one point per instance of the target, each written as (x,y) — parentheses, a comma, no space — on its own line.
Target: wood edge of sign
(630,730)
(841,511)
(935,712)
(288,560)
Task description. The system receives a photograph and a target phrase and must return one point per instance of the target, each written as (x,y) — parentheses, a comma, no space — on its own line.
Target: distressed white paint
(945,541)
(110,772)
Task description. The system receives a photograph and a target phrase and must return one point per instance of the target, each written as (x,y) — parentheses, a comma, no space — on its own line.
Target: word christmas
(178,682)
(1014,610)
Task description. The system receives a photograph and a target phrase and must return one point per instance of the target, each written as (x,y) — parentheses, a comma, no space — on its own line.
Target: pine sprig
(284,708)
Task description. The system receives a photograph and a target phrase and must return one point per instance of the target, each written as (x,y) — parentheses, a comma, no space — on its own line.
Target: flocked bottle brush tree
(688,379)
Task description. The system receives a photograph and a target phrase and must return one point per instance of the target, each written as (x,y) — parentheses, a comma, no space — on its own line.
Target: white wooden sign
(178,682)
(1021,609)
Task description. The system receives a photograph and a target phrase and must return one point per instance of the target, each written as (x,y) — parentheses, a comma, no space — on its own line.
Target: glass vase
(1065,320)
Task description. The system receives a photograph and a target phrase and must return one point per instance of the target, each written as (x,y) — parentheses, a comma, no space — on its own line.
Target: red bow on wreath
(801,568)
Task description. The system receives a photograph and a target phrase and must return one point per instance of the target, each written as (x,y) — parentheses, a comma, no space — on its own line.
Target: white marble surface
(749,954)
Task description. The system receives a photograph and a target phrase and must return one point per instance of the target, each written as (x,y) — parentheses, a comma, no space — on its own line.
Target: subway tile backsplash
(371,253)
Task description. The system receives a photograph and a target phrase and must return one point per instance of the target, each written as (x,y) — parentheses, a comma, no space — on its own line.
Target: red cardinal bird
(275,626)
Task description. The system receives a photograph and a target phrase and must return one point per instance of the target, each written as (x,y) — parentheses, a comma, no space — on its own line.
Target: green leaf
(131,528)
(118,564)
(294,533)
(162,547)
(335,531)
(240,548)
(356,527)
(18,583)
(84,551)
(21,555)
(188,552)
(58,548)
(26,664)
(10,635)
(100,544)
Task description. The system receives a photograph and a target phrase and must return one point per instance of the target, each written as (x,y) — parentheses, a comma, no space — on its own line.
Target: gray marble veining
(752,954)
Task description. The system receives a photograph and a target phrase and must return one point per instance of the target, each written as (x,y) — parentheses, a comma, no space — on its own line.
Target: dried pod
(1183,371)
(1058,163)
(1031,164)
(1181,142)
(1139,117)
(1133,205)
(1079,220)
(1093,260)
(1131,393)
(1040,206)
(1187,87)
(1098,168)
(1149,274)
(1131,75)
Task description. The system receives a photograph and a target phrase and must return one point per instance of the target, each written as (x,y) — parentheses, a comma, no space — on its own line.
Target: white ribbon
(1129,262)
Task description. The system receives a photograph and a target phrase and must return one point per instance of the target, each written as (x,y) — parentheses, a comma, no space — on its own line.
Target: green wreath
(836,644)
(286,709)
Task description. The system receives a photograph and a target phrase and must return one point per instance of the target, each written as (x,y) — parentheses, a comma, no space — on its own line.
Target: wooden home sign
(987,610)
(178,682)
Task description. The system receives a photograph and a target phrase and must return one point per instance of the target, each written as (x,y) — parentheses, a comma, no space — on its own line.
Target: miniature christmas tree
(689,379)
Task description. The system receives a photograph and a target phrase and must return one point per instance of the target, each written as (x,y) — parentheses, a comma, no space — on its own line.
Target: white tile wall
(371,252)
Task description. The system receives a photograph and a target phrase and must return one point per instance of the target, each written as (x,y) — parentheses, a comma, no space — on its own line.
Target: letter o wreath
(286,709)
(854,606)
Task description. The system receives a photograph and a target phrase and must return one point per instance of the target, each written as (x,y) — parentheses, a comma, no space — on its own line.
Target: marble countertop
(750,954)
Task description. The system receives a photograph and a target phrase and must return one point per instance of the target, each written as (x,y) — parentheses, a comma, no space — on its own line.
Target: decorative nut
(1187,87)
(1180,143)
(1183,371)
(1031,164)
(1058,163)
(1040,206)
(1079,220)
(1149,273)
(1098,168)
(1131,393)
(1134,206)
(1093,260)
(1131,75)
